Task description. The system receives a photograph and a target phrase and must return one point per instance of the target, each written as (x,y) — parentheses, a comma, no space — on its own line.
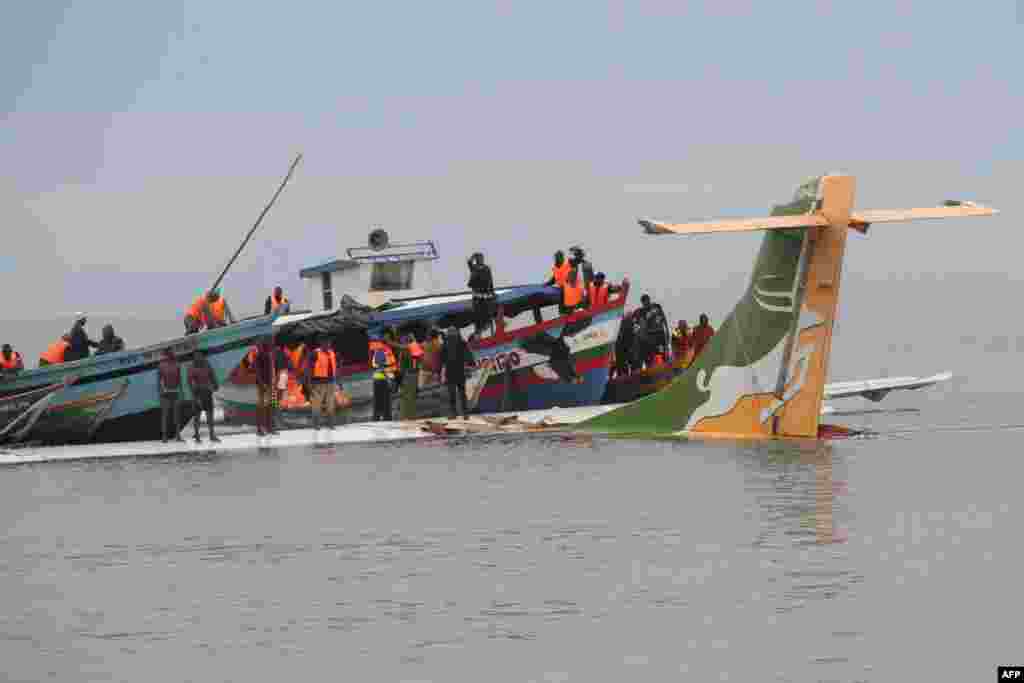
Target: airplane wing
(877,389)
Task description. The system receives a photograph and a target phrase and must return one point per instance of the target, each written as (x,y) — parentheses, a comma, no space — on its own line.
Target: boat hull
(516,375)
(114,397)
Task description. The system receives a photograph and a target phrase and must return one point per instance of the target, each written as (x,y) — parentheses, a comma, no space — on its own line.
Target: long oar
(258,221)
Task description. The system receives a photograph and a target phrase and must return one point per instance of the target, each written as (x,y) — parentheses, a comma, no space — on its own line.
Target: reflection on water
(511,559)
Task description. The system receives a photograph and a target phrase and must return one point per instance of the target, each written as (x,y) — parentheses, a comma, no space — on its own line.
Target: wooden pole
(258,221)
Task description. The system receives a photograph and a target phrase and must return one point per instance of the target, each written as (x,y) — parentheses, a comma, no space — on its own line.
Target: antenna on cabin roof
(378,238)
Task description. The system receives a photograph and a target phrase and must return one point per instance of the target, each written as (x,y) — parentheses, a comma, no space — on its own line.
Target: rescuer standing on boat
(203,383)
(455,356)
(482,284)
(681,340)
(263,364)
(573,292)
(10,362)
(321,376)
(277,302)
(578,260)
(702,334)
(409,360)
(169,387)
(381,362)
(560,271)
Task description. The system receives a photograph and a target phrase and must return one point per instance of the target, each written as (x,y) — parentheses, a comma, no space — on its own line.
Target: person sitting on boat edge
(277,302)
(110,343)
(169,391)
(322,376)
(56,353)
(79,341)
(481,282)
(203,382)
(10,362)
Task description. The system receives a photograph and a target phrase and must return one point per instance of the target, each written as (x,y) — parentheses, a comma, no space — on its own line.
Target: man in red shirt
(701,335)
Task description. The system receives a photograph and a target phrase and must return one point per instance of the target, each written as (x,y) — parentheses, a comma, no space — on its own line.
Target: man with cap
(79,340)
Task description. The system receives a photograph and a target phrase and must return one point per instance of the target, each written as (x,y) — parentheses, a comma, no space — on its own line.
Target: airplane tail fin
(763,373)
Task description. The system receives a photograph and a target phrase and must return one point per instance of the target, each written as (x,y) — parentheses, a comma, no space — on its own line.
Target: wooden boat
(530,364)
(111,397)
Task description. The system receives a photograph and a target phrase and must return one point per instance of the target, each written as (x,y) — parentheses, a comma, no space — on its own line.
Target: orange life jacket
(572,293)
(416,351)
(217,310)
(197,309)
(13,364)
(296,357)
(324,364)
(598,295)
(561,273)
(55,354)
(275,304)
(376,345)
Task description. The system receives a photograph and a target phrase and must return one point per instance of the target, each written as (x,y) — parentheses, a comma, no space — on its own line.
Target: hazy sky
(141,139)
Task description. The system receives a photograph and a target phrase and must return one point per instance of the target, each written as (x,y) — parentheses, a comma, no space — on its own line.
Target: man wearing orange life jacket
(208,311)
(10,362)
(322,376)
(55,354)
(572,293)
(599,291)
(560,271)
(277,302)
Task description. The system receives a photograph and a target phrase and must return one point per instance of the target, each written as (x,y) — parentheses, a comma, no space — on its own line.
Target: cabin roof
(329,267)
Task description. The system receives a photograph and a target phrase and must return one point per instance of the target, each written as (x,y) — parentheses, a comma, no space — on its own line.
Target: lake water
(538,559)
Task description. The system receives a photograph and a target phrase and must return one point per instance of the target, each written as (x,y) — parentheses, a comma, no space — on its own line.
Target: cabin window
(325,279)
(390,277)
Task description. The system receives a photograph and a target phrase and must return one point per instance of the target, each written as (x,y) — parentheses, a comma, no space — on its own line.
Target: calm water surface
(529,560)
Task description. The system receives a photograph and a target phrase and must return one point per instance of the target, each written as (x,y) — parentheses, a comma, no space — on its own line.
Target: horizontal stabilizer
(862,219)
(876,389)
(734,225)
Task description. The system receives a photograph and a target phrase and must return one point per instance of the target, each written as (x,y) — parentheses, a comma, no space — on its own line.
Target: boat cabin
(373,275)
